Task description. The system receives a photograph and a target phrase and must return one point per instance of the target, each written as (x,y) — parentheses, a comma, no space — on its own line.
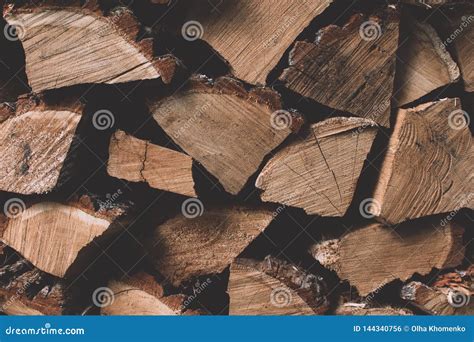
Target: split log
(224,127)
(330,70)
(320,172)
(253,53)
(141,161)
(430,152)
(36,140)
(451,294)
(424,63)
(61,239)
(25,290)
(183,248)
(274,287)
(360,309)
(375,255)
(432,3)
(142,295)
(67,45)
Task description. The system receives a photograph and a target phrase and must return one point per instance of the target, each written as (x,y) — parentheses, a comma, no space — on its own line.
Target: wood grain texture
(274,287)
(451,294)
(424,64)
(57,238)
(183,248)
(224,127)
(375,255)
(35,142)
(252,36)
(141,161)
(319,173)
(430,152)
(330,71)
(68,45)
(355,309)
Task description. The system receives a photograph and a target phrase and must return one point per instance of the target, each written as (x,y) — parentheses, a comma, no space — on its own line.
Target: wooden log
(36,140)
(61,239)
(252,53)
(183,247)
(320,172)
(432,3)
(358,309)
(67,45)
(430,152)
(451,294)
(375,255)
(25,290)
(330,70)
(274,287)
(424,63)
(141,161)
(226,128)
(142,295)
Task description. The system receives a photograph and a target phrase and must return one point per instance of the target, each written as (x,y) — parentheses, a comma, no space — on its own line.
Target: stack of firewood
(243,157)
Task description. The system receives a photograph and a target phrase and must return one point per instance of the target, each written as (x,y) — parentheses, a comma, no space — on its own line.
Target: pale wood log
(183,248)
(451,294)
(349,68)
(274,287)
(424,63)
(61,239)
(357,309)
(68,44)
(141,161)
(35,141)
(375,255)
(320,172)
(226,128)
(430,152)
(252,36)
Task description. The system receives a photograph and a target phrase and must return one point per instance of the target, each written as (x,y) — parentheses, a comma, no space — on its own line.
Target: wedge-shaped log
(349,68)
(67,45)
(61,239)
(358,309)
(141,161)
(431,153)
(320,172)
(375,255)
(253,53)
(224,127)
(274,287)
(183,248)
(424,63)
(35,141)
